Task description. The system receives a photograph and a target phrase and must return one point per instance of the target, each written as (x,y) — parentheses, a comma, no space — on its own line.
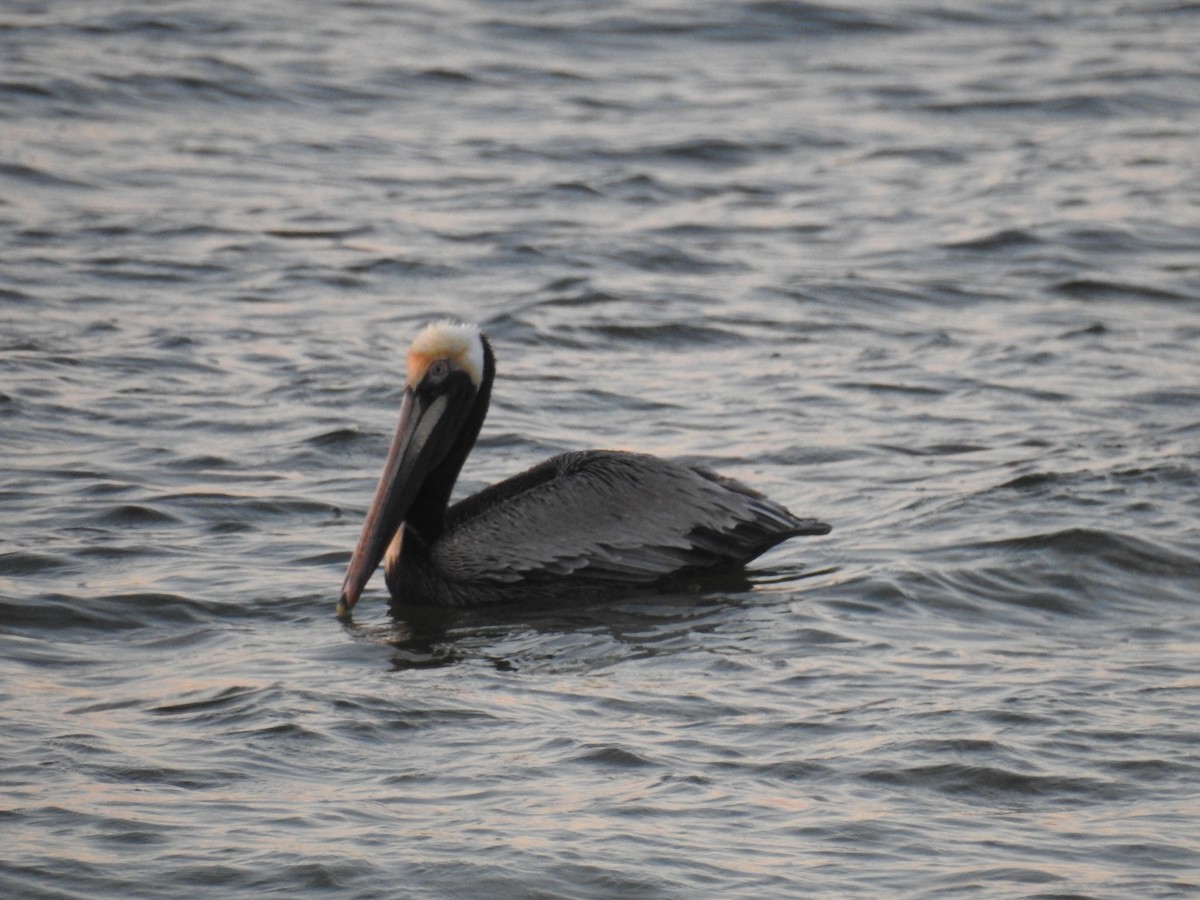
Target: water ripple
(927,273)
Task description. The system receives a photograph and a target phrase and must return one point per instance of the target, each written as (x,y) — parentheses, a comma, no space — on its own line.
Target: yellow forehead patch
(460,345)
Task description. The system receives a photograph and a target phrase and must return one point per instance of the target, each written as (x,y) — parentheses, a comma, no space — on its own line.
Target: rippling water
(928,273)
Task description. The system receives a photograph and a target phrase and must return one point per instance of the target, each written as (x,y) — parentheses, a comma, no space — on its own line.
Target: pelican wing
(610,516)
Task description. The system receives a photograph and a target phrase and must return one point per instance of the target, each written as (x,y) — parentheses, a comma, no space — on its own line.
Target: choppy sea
(927,271)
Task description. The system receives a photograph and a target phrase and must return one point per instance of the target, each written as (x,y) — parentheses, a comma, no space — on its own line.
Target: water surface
(929,274)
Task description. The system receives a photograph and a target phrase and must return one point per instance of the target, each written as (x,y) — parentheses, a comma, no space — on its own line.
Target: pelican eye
(437,372)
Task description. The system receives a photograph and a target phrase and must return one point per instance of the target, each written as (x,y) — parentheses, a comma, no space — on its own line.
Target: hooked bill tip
(343,608)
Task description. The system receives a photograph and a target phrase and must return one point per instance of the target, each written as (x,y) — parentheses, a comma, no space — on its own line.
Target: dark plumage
(590,522)
(578,524)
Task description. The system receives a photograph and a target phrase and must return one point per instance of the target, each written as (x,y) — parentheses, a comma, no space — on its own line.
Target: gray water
(929,272)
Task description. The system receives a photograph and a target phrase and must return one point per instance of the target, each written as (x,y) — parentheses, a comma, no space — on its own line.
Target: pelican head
(447,386)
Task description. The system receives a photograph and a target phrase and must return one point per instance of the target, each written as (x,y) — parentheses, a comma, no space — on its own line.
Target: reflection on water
(928,276)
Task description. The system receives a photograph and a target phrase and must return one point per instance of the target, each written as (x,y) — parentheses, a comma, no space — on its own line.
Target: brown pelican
(579,524)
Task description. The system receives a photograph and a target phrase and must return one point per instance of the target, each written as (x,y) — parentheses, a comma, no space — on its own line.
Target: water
(927,273)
